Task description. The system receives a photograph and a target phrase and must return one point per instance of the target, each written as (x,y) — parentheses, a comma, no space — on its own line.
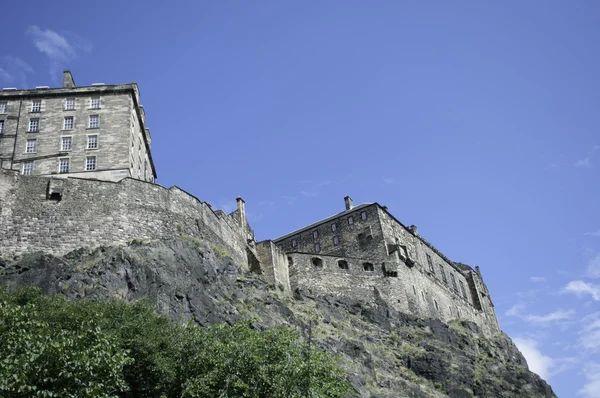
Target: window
(363,215)
(415,290)
(30,146)
(1,126)
(66,143)
(27,168)
(36,106)
(68,123)
(423,295)
(95,103)
(430,264)
(2,107)
(317,262)
(368,267)
(462,289)
(436,304)
(63,165)
(453,281)
(333,227)
(316,234)
(94,121)
(90,163)
(350,220)
(317,247)
(34,125)
(290,260)
(70,104)
(343,264)
(336,240)
(294,242)
(443,273)
(92,142)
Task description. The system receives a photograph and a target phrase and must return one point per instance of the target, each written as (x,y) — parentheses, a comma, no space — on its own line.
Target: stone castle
(89,181)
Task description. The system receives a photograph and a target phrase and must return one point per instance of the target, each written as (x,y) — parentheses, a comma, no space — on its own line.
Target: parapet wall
(412,291)
(97,213)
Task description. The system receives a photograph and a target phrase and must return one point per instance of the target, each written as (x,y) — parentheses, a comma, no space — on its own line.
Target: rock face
(387,353)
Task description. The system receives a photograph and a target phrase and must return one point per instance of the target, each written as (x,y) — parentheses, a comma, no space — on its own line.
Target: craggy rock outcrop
(387,354)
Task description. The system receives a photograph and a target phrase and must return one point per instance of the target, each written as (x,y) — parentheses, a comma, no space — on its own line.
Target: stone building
(94,132)
(364,251)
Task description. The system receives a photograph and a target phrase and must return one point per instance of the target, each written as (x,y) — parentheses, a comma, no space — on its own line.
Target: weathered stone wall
(274,265)
(95,213)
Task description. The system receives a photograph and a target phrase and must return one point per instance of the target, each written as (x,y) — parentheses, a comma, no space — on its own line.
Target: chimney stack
(241,206)
(68,81)
(348,202)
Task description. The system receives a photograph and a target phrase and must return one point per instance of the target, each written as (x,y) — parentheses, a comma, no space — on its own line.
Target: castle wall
(95,213)
(274,265)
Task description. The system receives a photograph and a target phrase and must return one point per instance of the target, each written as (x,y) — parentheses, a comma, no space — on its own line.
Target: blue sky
(477,121)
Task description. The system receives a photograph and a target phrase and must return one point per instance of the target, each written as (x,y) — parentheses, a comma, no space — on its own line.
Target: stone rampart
(60,215)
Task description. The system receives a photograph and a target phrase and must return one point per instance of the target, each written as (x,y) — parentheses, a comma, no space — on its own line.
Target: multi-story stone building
(95,132)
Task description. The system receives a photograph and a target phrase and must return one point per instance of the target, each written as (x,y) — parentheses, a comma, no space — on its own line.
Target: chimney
(68,81)
(241,206)
(413,229)
(349,203)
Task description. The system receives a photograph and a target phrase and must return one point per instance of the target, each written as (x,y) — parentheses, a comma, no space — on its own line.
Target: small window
(462,289)
(443,273)
(436,304)
(30,146)
(415,290)
(90,163)
(94,121)
(336,240)
(333,227)
(294,242)
(95,103)
(63,165)
(68,123)
(453,282)
(317,247)
(430,264)
(70,104)
(2,107)
(368,267)
(92,142)
(34,125)
(363,215)
(36,106)
(315,234)
(27,168)
(66,143)
(290,260)
(423,295)
(350,220)
(343,264)
(1,126)
(317,262)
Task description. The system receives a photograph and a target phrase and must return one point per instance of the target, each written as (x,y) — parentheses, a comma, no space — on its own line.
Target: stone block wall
(274,265)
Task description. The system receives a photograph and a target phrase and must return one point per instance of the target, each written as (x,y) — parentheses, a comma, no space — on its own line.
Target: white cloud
(538,362)
(14,71)
(590,334)
(583,163)
(5,76)
(515,310)
(591,388)
(581,288)
(518,310)
(308,194)
(593,267)
(60,49)
(537,279)
(594,234)
(388,180)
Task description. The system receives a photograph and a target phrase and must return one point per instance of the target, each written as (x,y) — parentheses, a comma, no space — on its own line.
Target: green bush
(51,347)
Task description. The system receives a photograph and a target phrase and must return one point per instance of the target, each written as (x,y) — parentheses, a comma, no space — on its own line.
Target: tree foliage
(51,347)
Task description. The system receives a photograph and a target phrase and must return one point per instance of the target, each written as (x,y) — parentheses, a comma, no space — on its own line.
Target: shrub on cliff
(51,347)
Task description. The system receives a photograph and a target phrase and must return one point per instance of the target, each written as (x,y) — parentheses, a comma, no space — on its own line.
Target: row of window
(64,165)
(443,274)
(342,264)
(66,144)
(334,228)
(36,105)
(68,123)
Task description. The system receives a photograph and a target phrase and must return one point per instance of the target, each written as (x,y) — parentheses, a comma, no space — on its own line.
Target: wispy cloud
(518,311)
(581,288)
(591,388)
(593,266)
(594,234)
(308,194)
(538,362)
(586,162)
(388,180)
(60,49)
(14,71)
(537,279)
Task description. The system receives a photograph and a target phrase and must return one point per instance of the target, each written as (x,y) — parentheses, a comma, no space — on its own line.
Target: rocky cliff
(386,353)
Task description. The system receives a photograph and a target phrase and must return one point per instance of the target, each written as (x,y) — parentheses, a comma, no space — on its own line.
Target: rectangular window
(70,104)
(95,103)
(333,227)
(1,126)
(462,289)
(90,163)
(294,242)
(66,143)
(316,234)
(63,165)
(430,264)
(453,282)
(2,107)
(34,125)
(30,146)
(27,168)
(92,142)
(350,220)
(68,123)
(317,247)
(443,273)
(363,215)
(36,106)
(94,121)
(336,240)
